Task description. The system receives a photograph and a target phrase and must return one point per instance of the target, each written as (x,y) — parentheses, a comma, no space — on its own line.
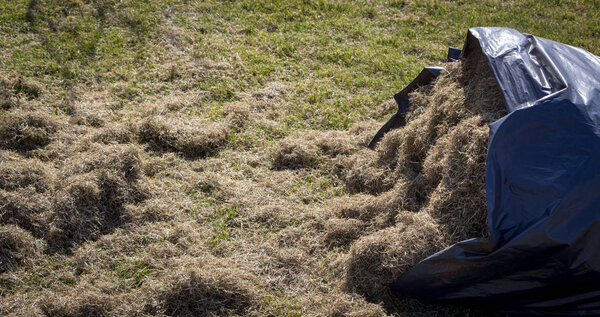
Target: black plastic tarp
(542,184)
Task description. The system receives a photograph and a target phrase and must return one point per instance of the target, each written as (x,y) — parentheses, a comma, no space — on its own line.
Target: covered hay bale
(434,165)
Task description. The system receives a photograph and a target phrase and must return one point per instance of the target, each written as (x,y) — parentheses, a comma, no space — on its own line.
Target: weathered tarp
(542,183)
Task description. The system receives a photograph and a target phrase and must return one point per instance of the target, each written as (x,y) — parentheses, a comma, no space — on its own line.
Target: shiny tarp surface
(542,184)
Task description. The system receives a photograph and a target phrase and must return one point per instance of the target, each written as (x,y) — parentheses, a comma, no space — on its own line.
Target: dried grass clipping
(433,166)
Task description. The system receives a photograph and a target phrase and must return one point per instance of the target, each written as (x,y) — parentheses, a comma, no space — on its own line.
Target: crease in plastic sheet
(542,185)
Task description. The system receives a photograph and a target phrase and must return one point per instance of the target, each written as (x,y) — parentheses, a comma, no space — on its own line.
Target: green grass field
(147,155)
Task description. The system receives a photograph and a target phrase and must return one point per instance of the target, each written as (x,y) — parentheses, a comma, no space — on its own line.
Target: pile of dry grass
(170,211)
(210,290)
(16,173)
(80,302)
(99,184)
(85,197)
(26,130)
(26,213)
(195,139)
(309,149)
(434,167)
(377,259)
(16,247)
(13,92)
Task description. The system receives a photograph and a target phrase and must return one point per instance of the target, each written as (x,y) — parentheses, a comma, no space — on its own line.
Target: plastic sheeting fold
(542,184)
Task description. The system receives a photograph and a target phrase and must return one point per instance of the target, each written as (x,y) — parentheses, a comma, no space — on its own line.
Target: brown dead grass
(377,259)
(26,130)
(16,246)
(192,139)
(84,301)
(15,92)
(210,290)
(111,211)
(434,166)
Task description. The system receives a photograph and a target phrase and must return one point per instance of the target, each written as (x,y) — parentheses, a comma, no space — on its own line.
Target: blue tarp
(542,184)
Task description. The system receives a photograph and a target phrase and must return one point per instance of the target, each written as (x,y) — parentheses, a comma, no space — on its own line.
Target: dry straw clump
(16,247)
(16,173)
(195,139)
(311,148)
(433,166)
(210,290)
(98,185)
(15,92)
(26,130)
(80,302)
(376,259)
(174,211)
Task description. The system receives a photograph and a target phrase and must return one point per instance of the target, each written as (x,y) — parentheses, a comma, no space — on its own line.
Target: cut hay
(14,92)
(378,259)
(436,163)
(80,302)
(18,173)
(433,166)
(25,130)
(208,291)
(16,247)
(340,232)
(98,185)
(170,205)
(29,213)
(194,139)
(309,149)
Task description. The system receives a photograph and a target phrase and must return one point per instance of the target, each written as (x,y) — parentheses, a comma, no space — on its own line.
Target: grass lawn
(175,157)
